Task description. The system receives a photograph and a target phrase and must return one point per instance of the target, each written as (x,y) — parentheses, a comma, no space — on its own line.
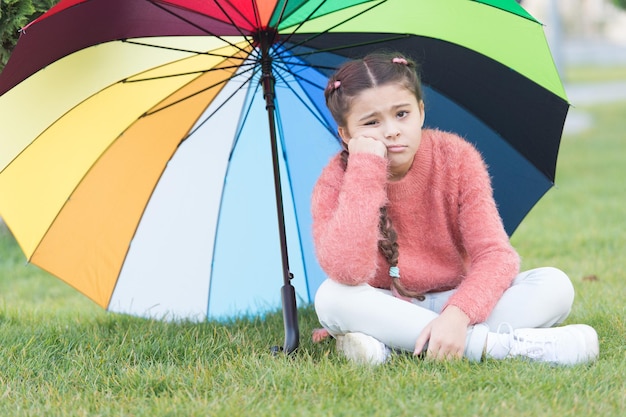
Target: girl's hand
(366,144)
(445,335)
(319,335)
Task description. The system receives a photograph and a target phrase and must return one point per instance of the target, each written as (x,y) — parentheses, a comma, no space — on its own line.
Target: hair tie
(394,272)
(333,86)
(400,60)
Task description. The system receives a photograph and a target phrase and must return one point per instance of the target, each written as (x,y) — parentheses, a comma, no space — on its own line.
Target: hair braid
(388,245)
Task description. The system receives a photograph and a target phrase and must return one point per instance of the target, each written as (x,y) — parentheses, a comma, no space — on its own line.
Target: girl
(406,227)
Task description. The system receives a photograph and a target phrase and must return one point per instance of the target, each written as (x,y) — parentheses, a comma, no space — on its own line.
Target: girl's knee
(548,277)
(555,285)
(322,298)
(330,299)
(560,283)
(341,307)
(563,291)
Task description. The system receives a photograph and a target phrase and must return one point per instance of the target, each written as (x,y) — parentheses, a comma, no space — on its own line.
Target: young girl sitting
(407,230)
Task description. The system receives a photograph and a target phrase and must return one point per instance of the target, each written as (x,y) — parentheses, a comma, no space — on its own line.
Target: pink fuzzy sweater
(450,234)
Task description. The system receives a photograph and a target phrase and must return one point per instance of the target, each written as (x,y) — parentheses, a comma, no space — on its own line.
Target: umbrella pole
(290,313)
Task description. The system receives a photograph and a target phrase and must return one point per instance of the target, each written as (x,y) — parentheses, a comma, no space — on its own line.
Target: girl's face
(389,114)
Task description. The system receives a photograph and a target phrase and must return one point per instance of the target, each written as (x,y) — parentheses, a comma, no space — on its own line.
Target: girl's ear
(343,134)
(422,114)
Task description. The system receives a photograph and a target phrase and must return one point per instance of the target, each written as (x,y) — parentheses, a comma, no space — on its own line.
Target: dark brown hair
(343,86)
(371,71)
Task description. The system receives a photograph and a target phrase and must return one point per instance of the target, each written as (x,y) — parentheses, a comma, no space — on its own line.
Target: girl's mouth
(396,148)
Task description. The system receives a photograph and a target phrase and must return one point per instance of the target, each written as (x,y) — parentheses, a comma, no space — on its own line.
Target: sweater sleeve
(492,261)
(346,210)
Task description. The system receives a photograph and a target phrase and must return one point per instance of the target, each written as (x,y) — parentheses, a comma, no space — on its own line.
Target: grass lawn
(61,355)
(594,73)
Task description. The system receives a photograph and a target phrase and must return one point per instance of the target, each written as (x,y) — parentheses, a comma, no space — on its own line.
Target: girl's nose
(392,133)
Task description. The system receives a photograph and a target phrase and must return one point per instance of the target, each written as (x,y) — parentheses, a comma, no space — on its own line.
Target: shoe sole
(362,349)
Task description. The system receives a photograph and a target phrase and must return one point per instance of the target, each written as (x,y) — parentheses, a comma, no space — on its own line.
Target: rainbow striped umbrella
(159,155)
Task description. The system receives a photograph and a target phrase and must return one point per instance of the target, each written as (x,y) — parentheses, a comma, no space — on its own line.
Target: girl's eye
(370,123)
(402,113)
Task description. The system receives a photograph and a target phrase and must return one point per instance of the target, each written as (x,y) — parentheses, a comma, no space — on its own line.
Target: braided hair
(352,78)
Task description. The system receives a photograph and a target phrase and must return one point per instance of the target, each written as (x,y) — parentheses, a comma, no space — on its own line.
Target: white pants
(540,297)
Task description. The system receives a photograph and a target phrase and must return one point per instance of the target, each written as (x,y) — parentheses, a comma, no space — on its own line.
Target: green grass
(593,73)
(62,355)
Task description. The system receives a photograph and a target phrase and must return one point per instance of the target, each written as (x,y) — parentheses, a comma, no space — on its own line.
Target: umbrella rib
(232,22)
(306,65)
(301,23)
(180,74)
(199,125)
(252,68)
(282,14)
(203,29)
(316,35)
(170,48)
(339,48)
(255,9)
(242,119)
(312,110)
(245,117)
(284,66)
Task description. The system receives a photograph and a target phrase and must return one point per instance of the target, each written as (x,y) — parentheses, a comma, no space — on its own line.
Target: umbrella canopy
(159,155)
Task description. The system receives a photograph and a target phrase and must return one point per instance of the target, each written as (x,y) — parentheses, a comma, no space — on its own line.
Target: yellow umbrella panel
(102,160)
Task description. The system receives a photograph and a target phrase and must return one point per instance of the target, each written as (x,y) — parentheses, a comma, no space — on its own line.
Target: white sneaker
(566,345)
(362,349)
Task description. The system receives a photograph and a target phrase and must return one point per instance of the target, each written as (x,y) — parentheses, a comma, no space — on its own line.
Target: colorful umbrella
(158,155)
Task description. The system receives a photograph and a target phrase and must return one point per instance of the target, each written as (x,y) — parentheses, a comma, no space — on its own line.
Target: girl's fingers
(319,335)
(421,341)
(365,144)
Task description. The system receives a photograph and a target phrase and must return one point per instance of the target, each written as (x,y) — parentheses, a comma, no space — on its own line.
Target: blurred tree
(14,14)
(620,3)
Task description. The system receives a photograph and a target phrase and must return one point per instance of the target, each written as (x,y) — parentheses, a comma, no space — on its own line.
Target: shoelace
(529,348)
